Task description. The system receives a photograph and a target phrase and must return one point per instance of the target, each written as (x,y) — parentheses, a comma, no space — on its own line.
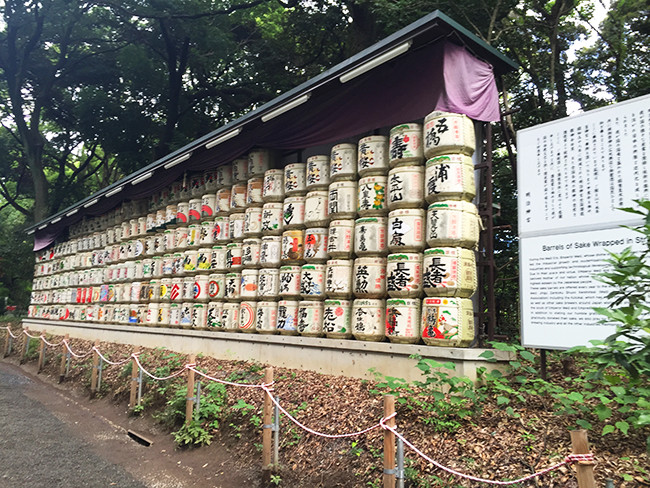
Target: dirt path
(51,437)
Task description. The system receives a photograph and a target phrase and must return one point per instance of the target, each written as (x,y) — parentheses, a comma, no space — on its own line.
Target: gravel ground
(37,449)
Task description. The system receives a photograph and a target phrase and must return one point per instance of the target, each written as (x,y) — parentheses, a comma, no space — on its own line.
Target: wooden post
(7,342)
(64,359)
(93,374)
(389,443)
(584,469)
(267,431)
(41,354)
(189,402)
(134,380)
(26,338)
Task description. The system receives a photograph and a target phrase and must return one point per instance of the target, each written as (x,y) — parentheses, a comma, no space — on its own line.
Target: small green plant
(355,449)
(276,479)
(192,433)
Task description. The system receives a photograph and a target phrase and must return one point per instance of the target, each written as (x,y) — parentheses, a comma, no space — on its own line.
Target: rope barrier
(31,336)
(49,343)
(268,389)
(11,333)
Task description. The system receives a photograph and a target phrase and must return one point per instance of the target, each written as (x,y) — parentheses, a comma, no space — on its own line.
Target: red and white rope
(49,343)
(11,333)
(30,336)
(107,361)
(173,375)
(67,346)
(224,382)
(567,460)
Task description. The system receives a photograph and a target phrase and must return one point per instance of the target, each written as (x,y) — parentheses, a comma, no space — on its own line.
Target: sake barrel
(233,256)
(273,187)
(343,162)
(287,322)
(266,318)
(186,315)
(294,179)
(213,316)
(368,319)
(312,281)
(222,205)
(370,236)
(340,239)
(190,260)
(180,237)
(254,192)
(310,318)
(293,213)
(342,200)
(247,315)
(210,180)
(369,277)
(292,246)
(193,235)
(260,161)
(201,288)
(404,275)
(406,145)
(338,278)
(208,206)
(269,284)
(373,156)
(221,229)
(204,260)
(187,290)
(219,258)
(238,196)
(216,286)
(272,219)
(250,255)
(290,281)
(249,278)
(406,187)
(163,314)
(230,317)
(371,196)
(403,320)
(446,133)
(232,286)
(223,176)
(253,222)
(449,272)
(318,172)
(175,314)
(316,244)
(447,322)
(240,170)
(450,176)
(199,315)
(452,223)
(195,210)
(316,211)
(337,318)
(406,230)
(270,251)
(237,224)
(197,185)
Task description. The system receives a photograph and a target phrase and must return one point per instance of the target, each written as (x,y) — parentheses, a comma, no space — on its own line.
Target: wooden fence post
(26,339)
(584,469)
(189,401)
(267,430)
(41,353)
(389,443)
(134,380)
(64,359)
(7,342)
(95,371)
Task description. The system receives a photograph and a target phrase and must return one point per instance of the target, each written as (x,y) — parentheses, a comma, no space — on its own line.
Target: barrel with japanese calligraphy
(222,205)
(405,145)
(316,210)
(372,156)
(207,233)
(370,236)
(368,319)
(406,187)
(154,291)
(204,260)
(317,173)
(199,315)
(449,176)
(336,319)
(273,186)
(194,210)
(219,258)
(176,191)
(165,290)
(343,162)
(233,256)
(176,290)
(369,277)
(230,317)
(287,321)
(216,286)
(452,223)
(406,230)
(446,133)
(292,246)
(185,321)
(240,170)
(266,317)
(175,314)
(268,283)
(340,239)
(272,218)
(312,282)
(187,290)
(290,281)
(180,236)
(403,320)
(237,223)
(247,315)
(316,244)
(213,316)
(221,229)
(238,196)
(232,286)
(371,196)
(190,258)
(223,176)
(197,185)
(251,252)
(293,213)
(210,180)
(295,182)
(201,288)
(447,322)
(163,314)
(253,222)
(193,235)
(342,200)
(270,251)
(208,206)
(404,275)
(249,279)
(449,272)
(338,278)
(310,318)
(254,192)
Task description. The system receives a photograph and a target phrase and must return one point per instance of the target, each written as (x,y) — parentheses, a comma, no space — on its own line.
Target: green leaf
(603,412)
(623,426)
(618,390)
(584,424)
(527,355)
(576,397)
(501,400)
(608,429)
(486,355)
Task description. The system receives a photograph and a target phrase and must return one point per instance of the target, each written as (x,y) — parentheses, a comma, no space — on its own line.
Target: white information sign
(574,175)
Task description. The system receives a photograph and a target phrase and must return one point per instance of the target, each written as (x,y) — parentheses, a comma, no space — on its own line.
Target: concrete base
(328,356)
